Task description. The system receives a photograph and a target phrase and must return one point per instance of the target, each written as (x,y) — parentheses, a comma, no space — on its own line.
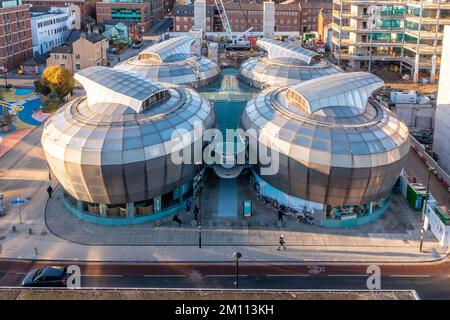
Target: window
(62,65)
(77,56)
(78,66)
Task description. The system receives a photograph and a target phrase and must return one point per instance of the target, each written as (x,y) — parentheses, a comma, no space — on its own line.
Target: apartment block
(15,34)
(402,35)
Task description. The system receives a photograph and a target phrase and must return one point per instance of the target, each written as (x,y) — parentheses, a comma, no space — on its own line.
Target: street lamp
(237,255)
(199,185)
(422,231)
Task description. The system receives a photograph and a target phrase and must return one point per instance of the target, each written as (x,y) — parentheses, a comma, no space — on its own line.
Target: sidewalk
(24,174)
(218,244)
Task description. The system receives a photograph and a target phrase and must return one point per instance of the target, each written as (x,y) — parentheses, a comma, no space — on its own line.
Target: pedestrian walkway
(50,232)
(227,198)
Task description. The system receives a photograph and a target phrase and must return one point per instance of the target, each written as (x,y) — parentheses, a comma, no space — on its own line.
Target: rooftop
(338,90)
(122,89)
(279,49)
(163,51)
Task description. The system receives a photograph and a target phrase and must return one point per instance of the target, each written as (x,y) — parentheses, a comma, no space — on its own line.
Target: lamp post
(199,184)
(237,255)
(423,230)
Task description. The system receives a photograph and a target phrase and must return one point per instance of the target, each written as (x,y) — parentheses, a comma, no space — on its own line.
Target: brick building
(87,7)
(81,50)
(144,13)
(16,44)
(310,12)
(183,17)
(244,14)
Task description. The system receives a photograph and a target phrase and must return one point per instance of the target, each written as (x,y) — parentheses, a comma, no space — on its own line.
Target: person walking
(49,191)
(176,219)
(282,243)
(280,215)
(188,206)
(196,212)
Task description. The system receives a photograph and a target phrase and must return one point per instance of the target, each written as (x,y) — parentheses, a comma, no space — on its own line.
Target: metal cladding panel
(334,154)
(181,68)
(116,158)
(270,72)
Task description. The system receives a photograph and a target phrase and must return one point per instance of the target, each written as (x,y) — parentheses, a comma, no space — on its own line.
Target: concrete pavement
(24,175)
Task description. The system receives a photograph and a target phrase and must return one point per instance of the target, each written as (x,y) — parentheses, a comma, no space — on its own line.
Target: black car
(46,277)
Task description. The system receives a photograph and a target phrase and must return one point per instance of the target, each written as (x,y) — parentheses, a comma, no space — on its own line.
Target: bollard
(30,232)
(14,229)
(36,252)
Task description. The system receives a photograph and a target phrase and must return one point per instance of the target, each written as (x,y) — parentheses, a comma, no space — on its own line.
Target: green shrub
(51,105)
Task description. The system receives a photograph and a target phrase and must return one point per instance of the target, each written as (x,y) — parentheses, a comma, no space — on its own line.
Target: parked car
(137,44)
(46,277)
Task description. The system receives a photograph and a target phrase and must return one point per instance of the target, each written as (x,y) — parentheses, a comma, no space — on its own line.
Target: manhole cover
(28,198)
(2,237)
(44,233)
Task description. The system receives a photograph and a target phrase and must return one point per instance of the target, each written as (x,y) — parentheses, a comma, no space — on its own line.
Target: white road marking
(224,275)
(163,275)
(288,275)
(348,275)
(410,276)
(103,275)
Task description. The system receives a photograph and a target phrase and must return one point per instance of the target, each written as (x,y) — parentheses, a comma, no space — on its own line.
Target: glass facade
(126,14)
(110,148)
(170,61)
(334,146)
(284,65)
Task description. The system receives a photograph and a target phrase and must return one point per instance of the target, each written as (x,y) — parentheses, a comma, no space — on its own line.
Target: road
(415,167)
(430,281)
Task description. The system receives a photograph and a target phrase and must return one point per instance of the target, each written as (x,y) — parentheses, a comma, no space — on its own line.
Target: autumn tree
(58,80)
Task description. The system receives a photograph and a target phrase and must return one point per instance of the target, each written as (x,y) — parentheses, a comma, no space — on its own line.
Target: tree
(58,80)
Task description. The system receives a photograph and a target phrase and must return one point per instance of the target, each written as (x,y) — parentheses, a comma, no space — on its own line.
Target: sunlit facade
(340,152)
(171,61)
(111,150)
(284,64)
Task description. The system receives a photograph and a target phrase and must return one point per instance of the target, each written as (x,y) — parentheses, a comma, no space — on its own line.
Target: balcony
(423,48)
(428,20)
(426,35)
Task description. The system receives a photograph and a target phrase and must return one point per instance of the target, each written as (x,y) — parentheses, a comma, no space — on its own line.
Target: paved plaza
(49,231)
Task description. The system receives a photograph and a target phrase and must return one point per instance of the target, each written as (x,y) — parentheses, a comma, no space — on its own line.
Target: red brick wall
(15,36)
(87,8)
(103,10)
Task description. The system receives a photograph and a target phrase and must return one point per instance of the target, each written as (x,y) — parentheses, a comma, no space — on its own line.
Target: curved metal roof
(162,51)
(106,85)
(279,49)
(338,90)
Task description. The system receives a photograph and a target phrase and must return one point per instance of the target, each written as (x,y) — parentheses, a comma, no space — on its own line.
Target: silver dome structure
(285,64)
(337,145)
(171,61)
(112,147)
